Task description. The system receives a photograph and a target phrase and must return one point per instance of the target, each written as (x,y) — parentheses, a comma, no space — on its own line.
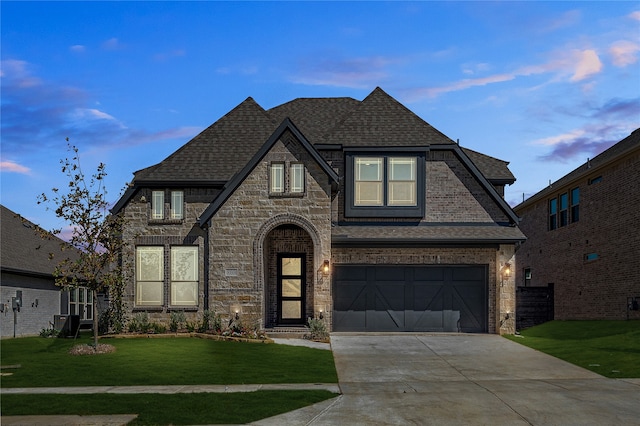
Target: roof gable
(235,182)
(492,168)
(380,120)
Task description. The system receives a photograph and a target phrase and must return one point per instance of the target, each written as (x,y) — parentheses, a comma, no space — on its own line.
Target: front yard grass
(609,348)
(175,409)
(163,361)
(166,361)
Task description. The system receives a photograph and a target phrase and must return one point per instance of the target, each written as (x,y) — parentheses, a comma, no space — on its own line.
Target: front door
(291,285)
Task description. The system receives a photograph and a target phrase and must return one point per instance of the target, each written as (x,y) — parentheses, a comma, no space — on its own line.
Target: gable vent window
(157,205)
(297,177)
(385,185)
(277,178)
(286,179)
(177,205)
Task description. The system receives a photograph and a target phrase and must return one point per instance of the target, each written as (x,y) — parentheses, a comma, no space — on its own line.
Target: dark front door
(291,285)
(410,298)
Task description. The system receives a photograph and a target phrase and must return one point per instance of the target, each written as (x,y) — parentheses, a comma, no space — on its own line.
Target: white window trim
(297,184)
(177,205)
(157,205)
(276,178)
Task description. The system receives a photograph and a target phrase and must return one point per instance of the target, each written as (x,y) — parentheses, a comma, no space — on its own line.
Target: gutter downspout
(206,267)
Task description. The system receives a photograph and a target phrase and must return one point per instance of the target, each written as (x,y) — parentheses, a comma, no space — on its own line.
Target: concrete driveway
(428,379)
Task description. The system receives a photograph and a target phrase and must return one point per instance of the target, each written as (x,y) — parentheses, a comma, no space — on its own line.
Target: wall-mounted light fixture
(325,268)
(506,270)
(237,314)
(34,304)
(321,314)
(143,199)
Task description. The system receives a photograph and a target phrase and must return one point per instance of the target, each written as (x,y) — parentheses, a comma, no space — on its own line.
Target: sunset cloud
(624,53)
(12,167)
(361,72)
(587,63)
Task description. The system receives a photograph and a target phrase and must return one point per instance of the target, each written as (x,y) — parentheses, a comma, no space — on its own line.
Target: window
(368,182)
(553,213)
(184,275)
(150,275)
(564,213)
(81,303)
(527,277)
(402,181)
(297,178)
(277,178)
(157,205)
(177,205)
(575,205)
(385,186)
(596,179)
(590,257)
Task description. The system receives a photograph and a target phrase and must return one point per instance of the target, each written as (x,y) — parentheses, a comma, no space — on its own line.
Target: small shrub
(49,332)
(140,323)
(177,319)
(157,328)
(192,326)
(317,330)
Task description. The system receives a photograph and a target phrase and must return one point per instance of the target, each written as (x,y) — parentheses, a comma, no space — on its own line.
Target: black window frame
(553,214)
(563,205)
(413,212)
(575,204)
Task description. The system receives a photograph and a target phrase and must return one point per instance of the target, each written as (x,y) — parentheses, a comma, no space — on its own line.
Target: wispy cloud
(635,15)
(575,65)
(624,53)
(112,44)
(39,115)
(12,167)
(77,48)
(165,56)
(359,72)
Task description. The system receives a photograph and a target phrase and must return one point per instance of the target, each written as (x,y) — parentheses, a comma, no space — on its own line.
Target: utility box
(67,324)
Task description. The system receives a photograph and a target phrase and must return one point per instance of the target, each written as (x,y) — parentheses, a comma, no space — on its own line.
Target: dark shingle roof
(492,168)
(219,151)
(380,120)
(23,250)
(223,149)
(315,117)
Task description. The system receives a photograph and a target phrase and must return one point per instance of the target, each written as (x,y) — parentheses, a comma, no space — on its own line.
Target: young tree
(94,232)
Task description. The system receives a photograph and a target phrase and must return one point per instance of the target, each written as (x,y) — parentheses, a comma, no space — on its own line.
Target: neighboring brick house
(356,212)
(583,236)
(27,263)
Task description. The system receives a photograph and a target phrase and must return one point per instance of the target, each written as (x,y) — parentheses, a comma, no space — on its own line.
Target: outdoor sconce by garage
(506,271)
(321,314)
(325,268)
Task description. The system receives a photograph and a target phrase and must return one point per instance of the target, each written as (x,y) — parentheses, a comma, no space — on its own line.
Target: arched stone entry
(289,261)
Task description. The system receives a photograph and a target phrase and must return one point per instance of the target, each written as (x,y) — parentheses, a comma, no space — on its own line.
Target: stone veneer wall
(140,230)
(240,228)
(501,291)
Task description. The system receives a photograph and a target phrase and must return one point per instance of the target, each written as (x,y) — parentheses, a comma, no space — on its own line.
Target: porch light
(321,314)
(237,314)
(506,271)
(325,268)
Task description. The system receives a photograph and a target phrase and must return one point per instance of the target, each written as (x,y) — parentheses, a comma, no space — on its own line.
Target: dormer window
(176,205)
(385,185)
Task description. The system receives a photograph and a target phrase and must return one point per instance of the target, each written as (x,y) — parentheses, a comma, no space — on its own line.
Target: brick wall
(607,227)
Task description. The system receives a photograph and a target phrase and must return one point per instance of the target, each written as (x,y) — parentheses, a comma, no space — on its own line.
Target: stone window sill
(166,221)
(286,195)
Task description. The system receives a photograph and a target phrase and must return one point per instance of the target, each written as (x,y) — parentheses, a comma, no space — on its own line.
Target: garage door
(410,298)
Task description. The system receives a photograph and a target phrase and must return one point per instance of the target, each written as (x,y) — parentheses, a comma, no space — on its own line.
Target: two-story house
(584,238)
(356,212)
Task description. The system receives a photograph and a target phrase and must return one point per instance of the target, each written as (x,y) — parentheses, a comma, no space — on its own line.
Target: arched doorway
(289,276)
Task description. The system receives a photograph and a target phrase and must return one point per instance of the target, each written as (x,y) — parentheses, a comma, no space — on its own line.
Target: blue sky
(543,85)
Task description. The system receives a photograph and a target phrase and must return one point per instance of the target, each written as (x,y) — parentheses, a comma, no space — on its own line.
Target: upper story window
(176,206)
(564,209)
(564,213)
(157,205)
(553,213)
(280,183)
(575,204)
(277,178)
(385,185)
(296,177)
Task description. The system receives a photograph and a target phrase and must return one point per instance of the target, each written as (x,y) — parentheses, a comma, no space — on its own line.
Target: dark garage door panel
(410,298)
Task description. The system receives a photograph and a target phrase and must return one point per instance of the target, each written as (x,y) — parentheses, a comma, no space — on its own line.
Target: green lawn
(159,409)
(166,361)
(609,348)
